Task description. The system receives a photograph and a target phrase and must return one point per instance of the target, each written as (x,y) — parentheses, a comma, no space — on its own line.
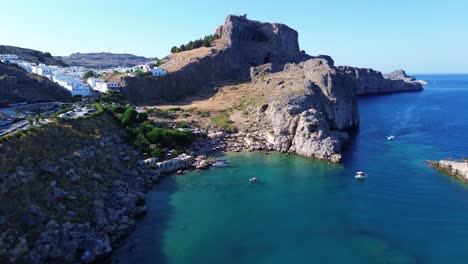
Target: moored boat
(360,175)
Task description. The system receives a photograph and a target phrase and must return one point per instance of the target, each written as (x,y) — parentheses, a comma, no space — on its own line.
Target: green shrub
(222,121)
(158,153)
(147,137)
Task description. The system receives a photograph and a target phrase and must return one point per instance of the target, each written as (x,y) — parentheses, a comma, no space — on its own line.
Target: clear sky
(420,36)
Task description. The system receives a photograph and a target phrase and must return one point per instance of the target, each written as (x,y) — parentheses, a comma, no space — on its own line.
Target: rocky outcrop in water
(399,75)
(457,168)
(372,82)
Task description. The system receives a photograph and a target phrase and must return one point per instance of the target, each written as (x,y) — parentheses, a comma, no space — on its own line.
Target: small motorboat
(390,138)
(253,180)
(360,175)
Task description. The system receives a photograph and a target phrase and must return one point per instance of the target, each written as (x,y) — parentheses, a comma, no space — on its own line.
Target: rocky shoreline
(80,214)
(457,168)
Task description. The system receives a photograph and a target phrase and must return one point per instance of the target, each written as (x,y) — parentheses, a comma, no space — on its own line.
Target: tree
(183,48)
(158,153)
(88,74)
(129,117)
(174,49)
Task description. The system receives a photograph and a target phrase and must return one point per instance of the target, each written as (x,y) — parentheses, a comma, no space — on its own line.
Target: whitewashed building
(72,84)
(107,86)
(158,71)
(8,57)
(27,66)
(94,82)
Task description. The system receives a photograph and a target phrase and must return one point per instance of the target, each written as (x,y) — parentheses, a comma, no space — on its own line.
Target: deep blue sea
(306,211)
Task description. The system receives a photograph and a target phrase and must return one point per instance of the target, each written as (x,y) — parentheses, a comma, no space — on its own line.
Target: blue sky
(419,36)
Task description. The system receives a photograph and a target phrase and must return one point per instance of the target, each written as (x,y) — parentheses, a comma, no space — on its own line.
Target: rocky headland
(372,82)
(303,104)
(71,191)
(457,168)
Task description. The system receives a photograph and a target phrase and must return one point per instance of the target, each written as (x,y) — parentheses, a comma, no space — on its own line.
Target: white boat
(390,137)
(360,175)
(253,180)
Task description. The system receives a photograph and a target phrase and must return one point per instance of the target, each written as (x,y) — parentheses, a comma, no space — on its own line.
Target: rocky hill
(242,44)
(32,55)
(103,60)
(302,104)
(16,85)
(69,192)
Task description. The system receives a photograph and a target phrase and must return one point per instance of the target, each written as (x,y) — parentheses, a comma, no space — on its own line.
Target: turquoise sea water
(306,211)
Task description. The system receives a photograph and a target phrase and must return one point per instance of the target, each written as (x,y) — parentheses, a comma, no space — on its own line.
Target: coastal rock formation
(457,168)
(399,75)
(371,82)
(69,192)
(307,108)
(307,104)
(16,85)
(242,44)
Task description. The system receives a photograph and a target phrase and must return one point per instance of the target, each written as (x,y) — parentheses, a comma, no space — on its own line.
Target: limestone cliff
(369,81)
(308,108)
(242,44)
(304,104)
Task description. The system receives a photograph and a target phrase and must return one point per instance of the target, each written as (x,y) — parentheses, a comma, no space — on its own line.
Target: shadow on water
(146,243)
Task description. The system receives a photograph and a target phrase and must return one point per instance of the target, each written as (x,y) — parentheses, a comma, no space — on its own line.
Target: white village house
(8,57)
(93,82)
(158,71)
(73,84)
(107,86)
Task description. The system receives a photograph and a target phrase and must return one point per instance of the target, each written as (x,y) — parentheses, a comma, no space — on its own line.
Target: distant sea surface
(306,211)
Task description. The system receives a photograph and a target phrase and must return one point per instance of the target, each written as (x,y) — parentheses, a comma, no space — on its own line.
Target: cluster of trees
(142,73)
(147,137)
(205,42)
(89,74)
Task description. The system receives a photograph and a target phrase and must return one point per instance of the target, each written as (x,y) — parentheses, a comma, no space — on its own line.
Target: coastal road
(21,125)
(5,130)
(11,111)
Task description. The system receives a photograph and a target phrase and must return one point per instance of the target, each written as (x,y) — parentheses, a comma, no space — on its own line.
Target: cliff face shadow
(145,244)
